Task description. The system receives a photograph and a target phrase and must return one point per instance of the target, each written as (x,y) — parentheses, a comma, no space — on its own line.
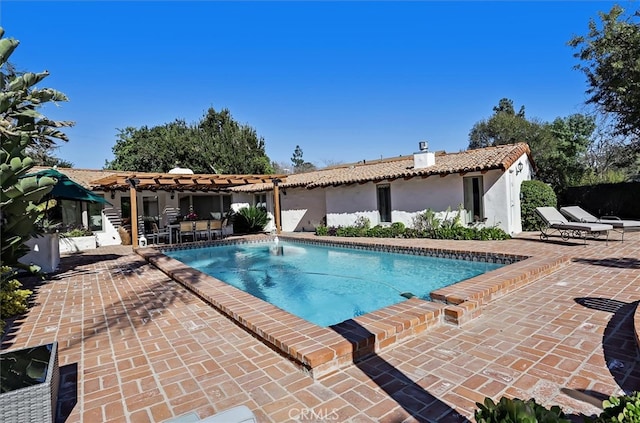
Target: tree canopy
(609,55)
(558,148)
(215,144)
(299,165)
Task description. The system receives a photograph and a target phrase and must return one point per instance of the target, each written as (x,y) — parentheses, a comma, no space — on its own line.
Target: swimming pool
(327,285)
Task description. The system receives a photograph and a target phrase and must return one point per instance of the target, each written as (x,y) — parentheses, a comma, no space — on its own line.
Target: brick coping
(321,351)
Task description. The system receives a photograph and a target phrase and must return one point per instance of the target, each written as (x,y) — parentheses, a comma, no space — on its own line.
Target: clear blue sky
(344,80)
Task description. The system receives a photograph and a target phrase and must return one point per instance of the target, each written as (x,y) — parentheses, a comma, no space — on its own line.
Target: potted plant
(77,239)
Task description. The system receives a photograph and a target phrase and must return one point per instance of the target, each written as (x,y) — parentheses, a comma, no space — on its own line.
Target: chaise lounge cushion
(579,214)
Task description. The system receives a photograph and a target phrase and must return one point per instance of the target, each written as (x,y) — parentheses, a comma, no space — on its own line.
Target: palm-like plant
(21,127)
(250,220)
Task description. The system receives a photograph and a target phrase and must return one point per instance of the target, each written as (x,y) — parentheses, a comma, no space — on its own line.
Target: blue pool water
(326,285)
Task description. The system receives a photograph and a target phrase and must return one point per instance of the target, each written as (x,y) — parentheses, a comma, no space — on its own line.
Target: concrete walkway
(135,346)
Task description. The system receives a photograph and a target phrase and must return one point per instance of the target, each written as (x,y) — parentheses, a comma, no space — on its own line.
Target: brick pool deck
(136,346)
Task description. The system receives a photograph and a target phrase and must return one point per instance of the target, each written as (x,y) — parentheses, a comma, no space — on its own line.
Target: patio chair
(186,229)
(156,234)
(202,229)
(553,220)
(216,229)
(227,228)
(578,214)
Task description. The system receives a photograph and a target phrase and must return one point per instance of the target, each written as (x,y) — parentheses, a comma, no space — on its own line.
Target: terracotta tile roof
(83,177)
(499,157)
(104,180)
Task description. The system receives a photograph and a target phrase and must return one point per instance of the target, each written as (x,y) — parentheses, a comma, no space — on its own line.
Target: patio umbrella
(66,189)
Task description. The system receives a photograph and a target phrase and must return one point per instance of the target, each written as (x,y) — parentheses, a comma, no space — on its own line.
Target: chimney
(423,158)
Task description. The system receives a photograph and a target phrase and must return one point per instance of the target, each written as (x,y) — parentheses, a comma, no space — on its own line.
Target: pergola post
(133,198)
(276,204)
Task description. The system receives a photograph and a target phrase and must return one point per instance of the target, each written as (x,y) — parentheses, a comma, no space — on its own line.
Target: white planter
(45,252)
(78,243)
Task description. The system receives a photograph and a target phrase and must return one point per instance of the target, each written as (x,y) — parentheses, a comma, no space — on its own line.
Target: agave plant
(250,220)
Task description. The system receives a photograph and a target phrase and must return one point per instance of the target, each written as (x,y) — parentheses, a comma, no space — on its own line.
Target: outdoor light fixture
(173,194)
(133,182)
(113,194)
(519,168)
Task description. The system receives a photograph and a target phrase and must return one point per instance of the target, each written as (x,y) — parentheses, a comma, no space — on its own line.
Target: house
(161,199)
(484,183)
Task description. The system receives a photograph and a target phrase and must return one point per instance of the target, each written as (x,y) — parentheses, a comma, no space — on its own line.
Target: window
(125,207)
(95,216)
(150,212)
(69,212)
(473,192)
(384,203)
(206,206)
(260,200)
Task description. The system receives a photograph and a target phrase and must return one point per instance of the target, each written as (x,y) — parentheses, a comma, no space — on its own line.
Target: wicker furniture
(30,380)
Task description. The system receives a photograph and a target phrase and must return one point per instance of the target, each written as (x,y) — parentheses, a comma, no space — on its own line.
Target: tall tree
(504,127)
(216,144)
(43,156)
(299,165)
(296,158)
(563,165)
(558,148)
(609,55)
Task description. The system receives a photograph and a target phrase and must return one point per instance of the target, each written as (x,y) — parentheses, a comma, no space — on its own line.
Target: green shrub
(350,231)
(622,409)
(379,231)
(76,232)
(491,233)
(535,194)
(426,220)
(397,228)
(517,411)
(13,300)
(362,222)
(322,230)
(250,220)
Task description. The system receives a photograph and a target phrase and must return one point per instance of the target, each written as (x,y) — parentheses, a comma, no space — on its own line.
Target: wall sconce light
(113,194)
(519,168)
(284,192)
(133,182)
(173,194)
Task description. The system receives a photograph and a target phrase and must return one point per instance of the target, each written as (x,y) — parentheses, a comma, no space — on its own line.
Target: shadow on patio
(621,352)
(415,400)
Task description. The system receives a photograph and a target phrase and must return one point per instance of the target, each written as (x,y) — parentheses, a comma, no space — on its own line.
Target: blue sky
(344,80)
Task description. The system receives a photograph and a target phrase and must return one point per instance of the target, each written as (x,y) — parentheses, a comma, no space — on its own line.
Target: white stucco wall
(302,209)
(414,196)
(346,203)
(501,198)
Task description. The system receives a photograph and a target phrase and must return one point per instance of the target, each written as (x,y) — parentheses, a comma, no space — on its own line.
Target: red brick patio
(143,348)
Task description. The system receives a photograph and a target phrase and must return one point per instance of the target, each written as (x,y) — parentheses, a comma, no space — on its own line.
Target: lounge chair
(553,220)
(579,214)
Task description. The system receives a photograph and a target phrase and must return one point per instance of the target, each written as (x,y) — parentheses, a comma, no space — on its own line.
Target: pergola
(181,182)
